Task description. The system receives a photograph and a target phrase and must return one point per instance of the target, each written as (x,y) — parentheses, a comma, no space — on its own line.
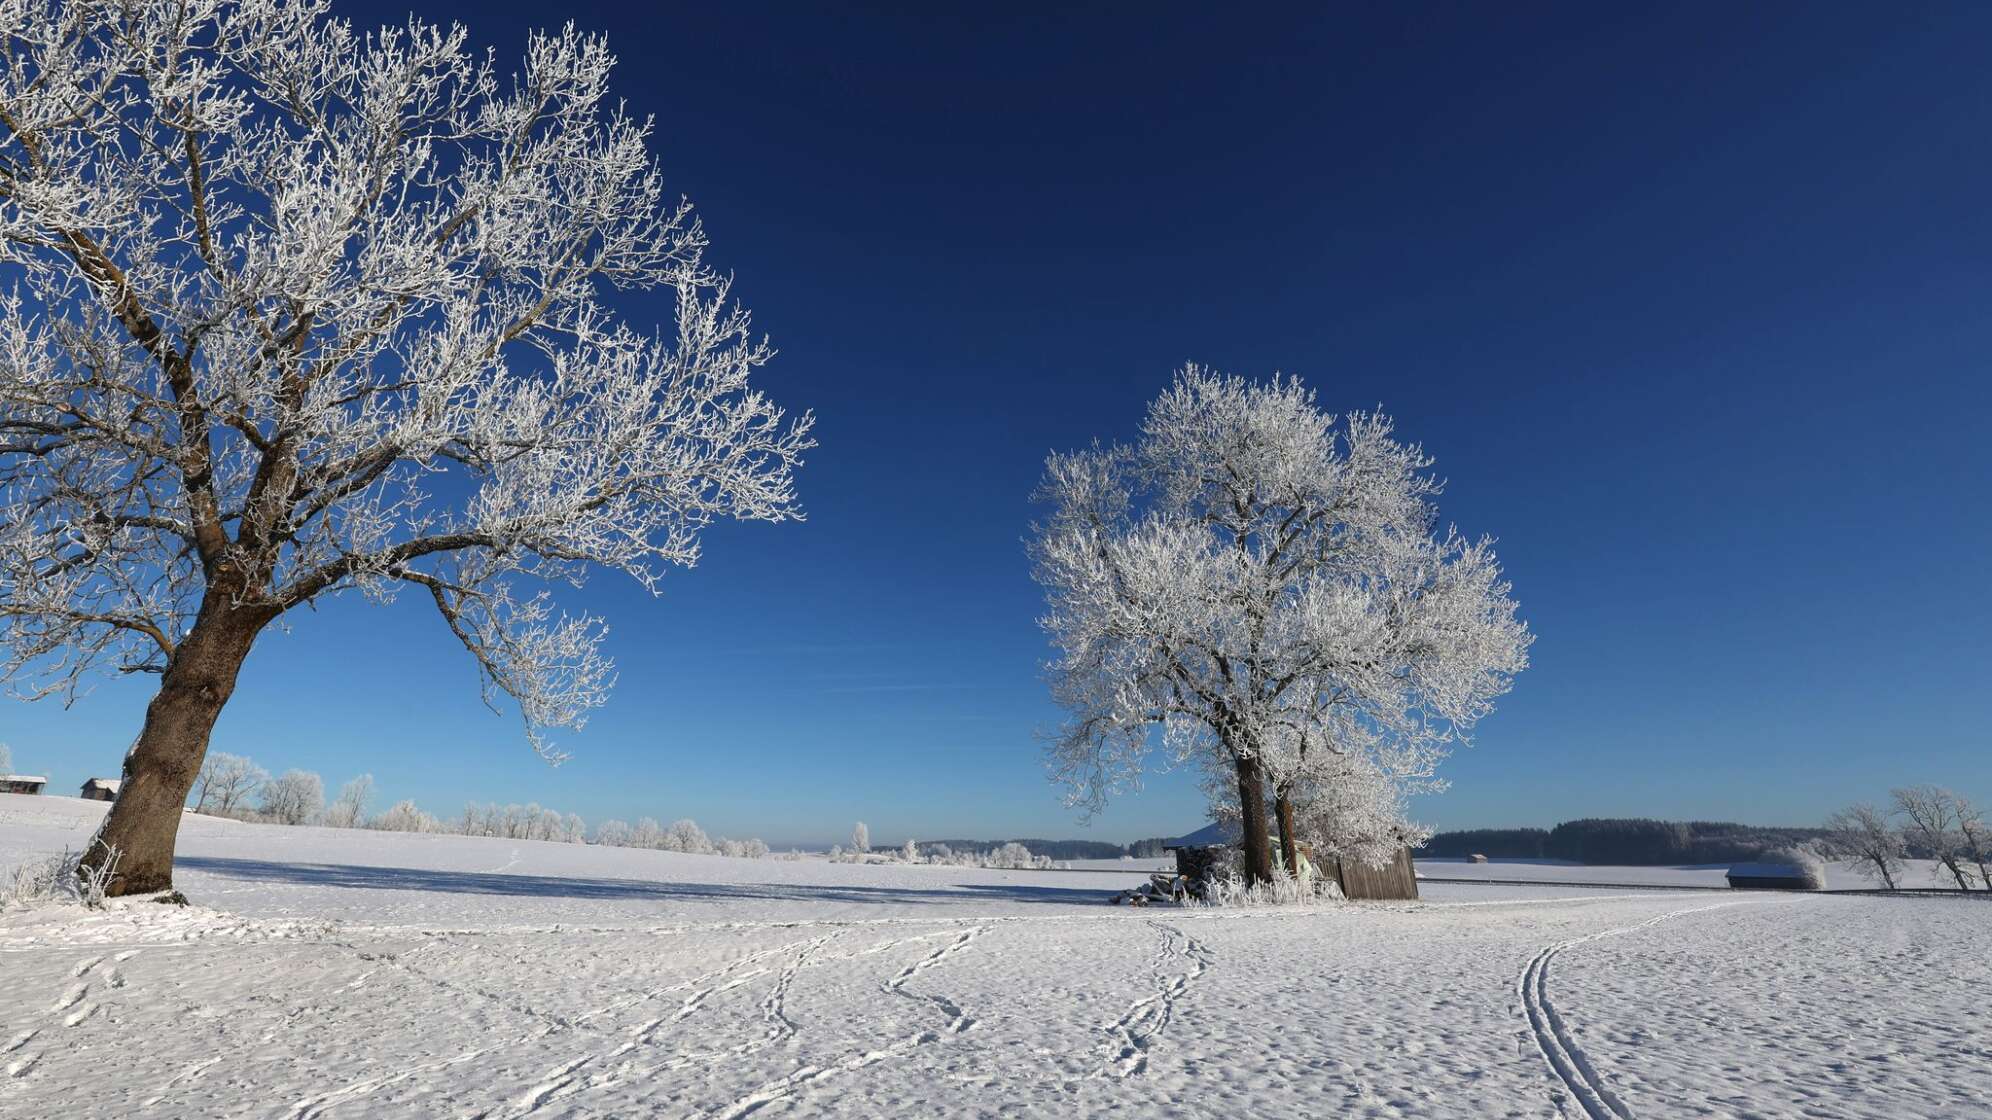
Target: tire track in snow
(1149,1016)
(958,1021)
(1567,1061)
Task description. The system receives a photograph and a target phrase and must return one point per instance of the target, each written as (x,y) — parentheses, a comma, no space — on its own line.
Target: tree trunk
(1252,802)
(1289,843)
(144,821)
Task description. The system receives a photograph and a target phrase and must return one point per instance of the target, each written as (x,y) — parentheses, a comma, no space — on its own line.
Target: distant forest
(1625,841)
(1056,849)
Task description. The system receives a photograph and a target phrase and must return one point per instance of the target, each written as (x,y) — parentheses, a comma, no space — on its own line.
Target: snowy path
(382,980)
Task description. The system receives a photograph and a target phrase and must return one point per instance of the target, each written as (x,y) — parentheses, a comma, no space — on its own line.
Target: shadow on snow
(560,886)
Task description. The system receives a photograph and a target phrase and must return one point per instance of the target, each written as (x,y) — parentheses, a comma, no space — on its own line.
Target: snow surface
(332,973)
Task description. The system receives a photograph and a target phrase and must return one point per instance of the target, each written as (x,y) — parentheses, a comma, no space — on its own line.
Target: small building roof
(23,778)
(1766,871)
(111,784)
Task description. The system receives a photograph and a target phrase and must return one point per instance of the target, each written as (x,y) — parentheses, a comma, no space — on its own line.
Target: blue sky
(1690,306)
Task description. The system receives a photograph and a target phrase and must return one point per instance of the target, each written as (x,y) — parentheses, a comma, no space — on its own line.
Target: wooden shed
(1771,877)
(1397,879)
(22,783)
(102,789)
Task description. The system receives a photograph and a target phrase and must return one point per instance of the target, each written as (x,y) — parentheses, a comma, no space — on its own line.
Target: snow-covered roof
(23,778)
(1767,871)
(111,784)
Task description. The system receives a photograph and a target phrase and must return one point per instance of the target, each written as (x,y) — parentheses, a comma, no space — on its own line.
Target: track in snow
(784,1088)
(1567,1060)
(1149,1016)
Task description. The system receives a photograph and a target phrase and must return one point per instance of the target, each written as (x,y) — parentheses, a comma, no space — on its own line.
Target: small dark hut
(1771,877)
(102,789)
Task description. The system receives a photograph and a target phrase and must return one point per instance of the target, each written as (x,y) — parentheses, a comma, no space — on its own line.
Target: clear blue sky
(1691,305)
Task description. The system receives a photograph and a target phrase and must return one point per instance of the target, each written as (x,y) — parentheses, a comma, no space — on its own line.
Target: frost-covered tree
(288,311)
(647,834)
(404,816)
(1351,811)
(349,809)
(911,852)
(1267,584)
(1863,834)
(1977,838)
(686,836)
(225,781)
(6,759)
(861,838)
(613,834)
(293,798)
(1935,819)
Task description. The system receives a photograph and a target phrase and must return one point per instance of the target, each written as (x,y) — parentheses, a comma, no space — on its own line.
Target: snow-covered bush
(63,878)
(911,852)
(861,838)
(1230,890)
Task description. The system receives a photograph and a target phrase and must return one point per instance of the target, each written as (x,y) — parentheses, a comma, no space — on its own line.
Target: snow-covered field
(363,974)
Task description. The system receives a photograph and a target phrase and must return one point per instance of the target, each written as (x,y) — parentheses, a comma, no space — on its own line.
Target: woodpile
(1161,888)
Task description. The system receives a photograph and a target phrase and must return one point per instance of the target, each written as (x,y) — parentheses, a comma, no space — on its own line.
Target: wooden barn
(1771,877)
(21,783)
(102,789)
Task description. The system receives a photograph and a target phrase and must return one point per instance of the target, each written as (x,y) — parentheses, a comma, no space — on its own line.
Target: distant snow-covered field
(333,973)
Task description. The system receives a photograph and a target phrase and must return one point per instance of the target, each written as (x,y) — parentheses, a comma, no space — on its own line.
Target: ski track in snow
(1137,1031)
(1567,1061)
(958,1021)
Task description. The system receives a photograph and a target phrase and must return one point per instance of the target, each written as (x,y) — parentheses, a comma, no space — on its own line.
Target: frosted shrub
(41,880)
(1230,891)
(63,878)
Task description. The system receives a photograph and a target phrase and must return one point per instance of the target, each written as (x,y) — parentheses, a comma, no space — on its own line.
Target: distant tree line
(1049,849)
(1919,822)
(1625,841)
(232,786)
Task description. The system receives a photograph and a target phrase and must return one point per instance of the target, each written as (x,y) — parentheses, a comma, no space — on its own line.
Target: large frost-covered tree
(1266,583)
(287,310)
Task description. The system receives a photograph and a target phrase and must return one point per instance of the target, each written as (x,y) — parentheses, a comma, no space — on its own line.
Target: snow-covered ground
(359,974)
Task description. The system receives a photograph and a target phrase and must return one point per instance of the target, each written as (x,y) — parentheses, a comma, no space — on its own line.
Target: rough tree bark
(144,821)
(1252,804)
(1289,843)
